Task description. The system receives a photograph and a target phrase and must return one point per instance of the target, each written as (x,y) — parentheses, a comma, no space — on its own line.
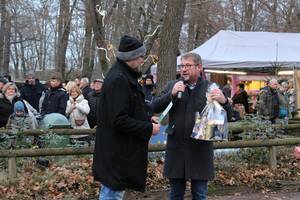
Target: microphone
(179,94)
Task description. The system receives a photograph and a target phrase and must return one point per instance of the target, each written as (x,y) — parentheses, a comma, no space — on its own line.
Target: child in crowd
(18,121)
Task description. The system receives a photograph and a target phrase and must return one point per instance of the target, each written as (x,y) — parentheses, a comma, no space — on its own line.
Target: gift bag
(211,123)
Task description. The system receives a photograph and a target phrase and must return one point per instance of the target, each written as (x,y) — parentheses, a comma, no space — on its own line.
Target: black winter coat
(241,98)
(55,101)
(186,158)
(85,91)
(32,93)
(123,131)
(93,99)
(7,108)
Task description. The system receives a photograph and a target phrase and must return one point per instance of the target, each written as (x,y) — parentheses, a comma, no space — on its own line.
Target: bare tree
(166,68)
(64,23)
(87,67)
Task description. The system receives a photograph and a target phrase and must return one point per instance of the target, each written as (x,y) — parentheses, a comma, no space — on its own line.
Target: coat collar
(130,73)
(78,99)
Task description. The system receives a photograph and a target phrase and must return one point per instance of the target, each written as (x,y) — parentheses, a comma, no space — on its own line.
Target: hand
(218,96)
(155,128)
(178,87)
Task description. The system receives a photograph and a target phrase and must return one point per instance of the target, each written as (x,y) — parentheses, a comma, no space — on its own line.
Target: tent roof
(231,49)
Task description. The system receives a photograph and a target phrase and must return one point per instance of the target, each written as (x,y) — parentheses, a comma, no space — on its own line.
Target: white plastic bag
(211,123)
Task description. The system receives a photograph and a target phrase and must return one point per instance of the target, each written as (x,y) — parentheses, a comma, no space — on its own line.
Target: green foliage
(254,155)
(260,128)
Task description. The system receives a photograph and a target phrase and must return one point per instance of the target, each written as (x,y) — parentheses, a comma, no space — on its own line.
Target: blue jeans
(107,193)
(198,189)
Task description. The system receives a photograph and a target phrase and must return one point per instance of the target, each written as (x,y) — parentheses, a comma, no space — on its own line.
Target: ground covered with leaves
(71,177)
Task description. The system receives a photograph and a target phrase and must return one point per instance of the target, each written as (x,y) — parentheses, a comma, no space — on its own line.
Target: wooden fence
(268,143)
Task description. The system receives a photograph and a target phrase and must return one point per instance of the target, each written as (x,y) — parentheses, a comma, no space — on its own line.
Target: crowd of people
(22,109)
(273,102)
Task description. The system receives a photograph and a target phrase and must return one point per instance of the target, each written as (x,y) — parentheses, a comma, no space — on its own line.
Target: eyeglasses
(187,66)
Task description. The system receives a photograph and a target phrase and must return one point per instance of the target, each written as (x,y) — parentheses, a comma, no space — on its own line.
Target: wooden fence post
(12,169)
(272,157)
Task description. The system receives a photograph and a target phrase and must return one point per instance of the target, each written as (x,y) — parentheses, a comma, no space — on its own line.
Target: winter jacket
(123,131)
(268,103)
(32,93)
(7,108)
(55,101)
(80,112)
(186,158)
(93,99)
(85,91)
(241,98)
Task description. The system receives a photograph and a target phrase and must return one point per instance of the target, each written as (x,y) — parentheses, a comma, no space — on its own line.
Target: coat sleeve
(84,107)
(68,108)
(62,104)
(160,102)
(119,100)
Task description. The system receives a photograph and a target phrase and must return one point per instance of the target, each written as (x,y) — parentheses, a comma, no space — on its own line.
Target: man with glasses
(188,159)
(32,89)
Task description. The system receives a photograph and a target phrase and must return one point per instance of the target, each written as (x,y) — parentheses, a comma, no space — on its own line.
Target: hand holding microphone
(178,89)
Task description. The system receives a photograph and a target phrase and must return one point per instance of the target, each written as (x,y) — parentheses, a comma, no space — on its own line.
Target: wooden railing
(13,153)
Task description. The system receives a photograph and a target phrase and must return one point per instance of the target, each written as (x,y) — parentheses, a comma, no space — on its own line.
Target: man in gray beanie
(124,126)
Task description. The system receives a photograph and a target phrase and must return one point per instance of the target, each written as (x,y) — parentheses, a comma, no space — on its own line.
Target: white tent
(231,49)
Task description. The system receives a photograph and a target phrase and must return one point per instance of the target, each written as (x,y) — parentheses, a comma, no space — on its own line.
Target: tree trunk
(87,49)
(3,15)
(167,53)
(63,35)
(98,28)
(7,36)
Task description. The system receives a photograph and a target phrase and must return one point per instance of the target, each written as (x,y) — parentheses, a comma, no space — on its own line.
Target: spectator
(20,120)
(3,81)
(283,101)
(77,111)
(292,99)
(7,100)
(85,87)
(70,85)
(227,89)
(241,97)
(149,88)
(32,90)
(93,99)
(268,103)
(77,81)
(56,98)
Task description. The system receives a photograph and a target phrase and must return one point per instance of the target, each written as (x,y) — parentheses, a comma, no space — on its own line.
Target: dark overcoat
(93,99)
(123,131)
(55,101)
(186,157)
(32,93)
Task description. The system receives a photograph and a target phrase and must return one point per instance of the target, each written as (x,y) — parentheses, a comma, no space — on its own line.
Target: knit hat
(3,80)
(30,73)
(98,80)
(130,48)
(19,107)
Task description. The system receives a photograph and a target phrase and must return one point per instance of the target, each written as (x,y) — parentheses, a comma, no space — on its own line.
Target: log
(152,148)
(234,127)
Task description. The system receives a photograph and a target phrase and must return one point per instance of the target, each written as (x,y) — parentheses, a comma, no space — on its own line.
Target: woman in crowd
(10,95)
(77,111)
